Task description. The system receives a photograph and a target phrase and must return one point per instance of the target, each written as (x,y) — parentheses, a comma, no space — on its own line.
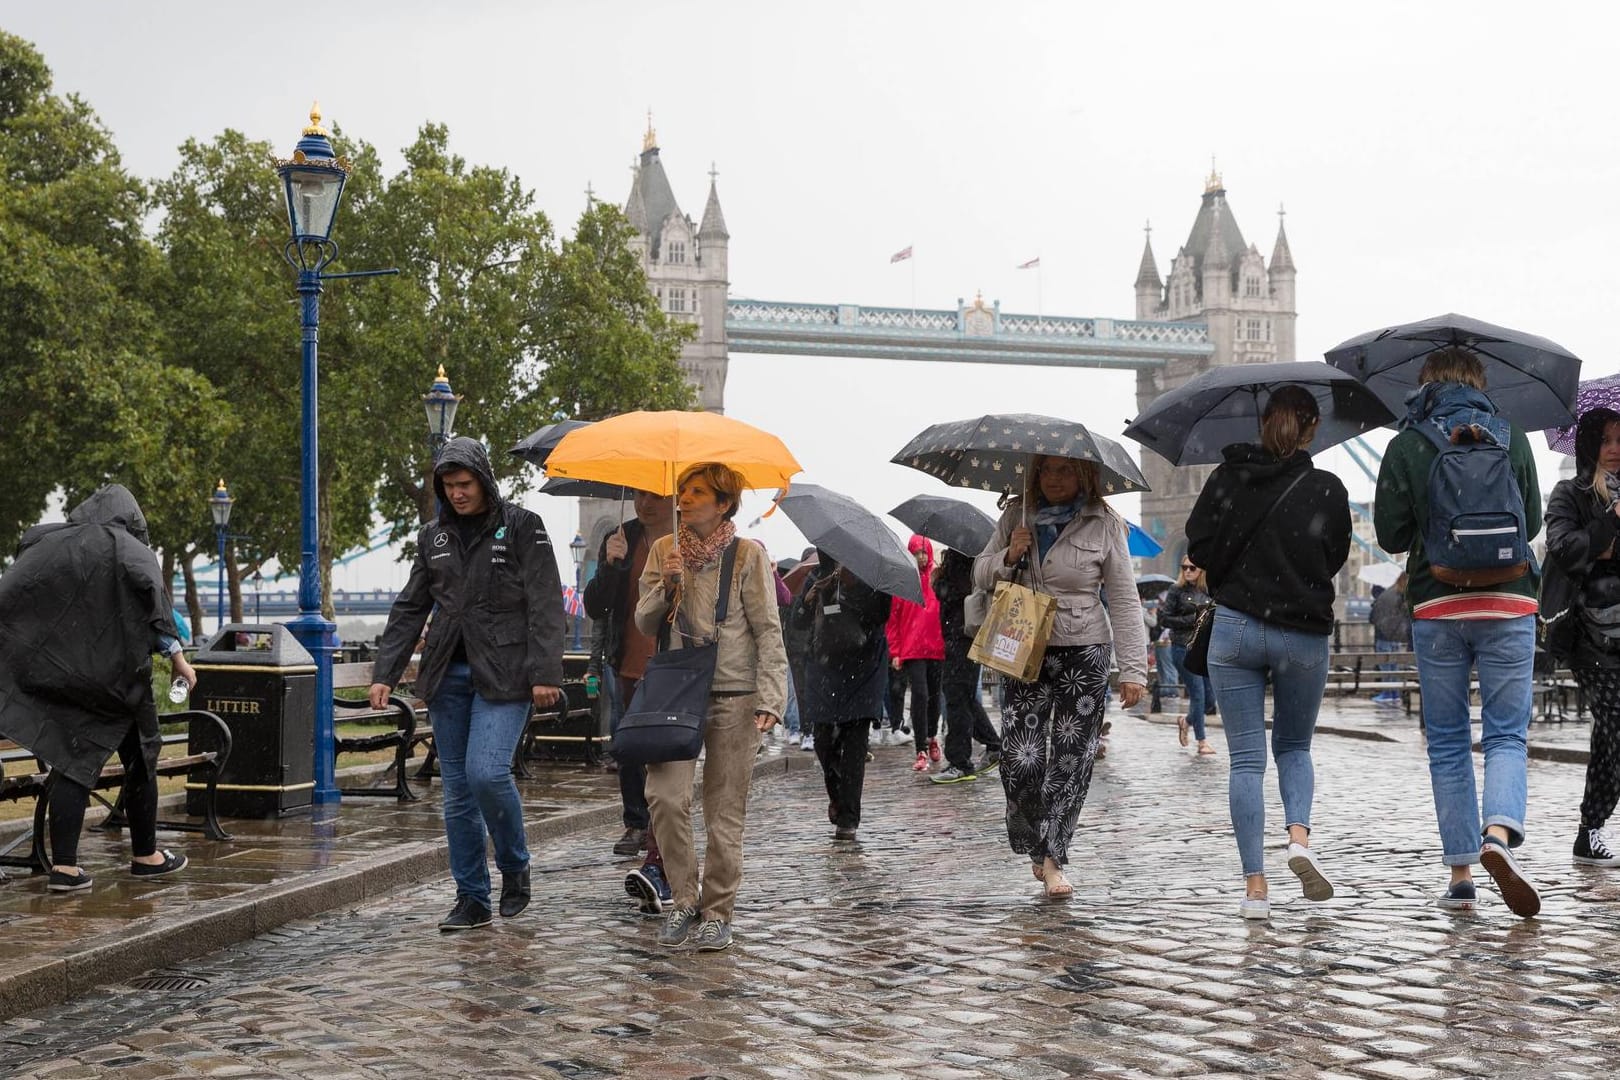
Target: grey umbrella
(1192,423)
(951,522)
(1531,380)
(992,453)
(856,537)
(565,488)
(538,445)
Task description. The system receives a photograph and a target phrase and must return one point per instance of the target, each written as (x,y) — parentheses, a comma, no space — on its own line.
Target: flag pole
(913,261)
(1040,309)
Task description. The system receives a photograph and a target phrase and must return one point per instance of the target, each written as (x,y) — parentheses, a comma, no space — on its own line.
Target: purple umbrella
(1592,394)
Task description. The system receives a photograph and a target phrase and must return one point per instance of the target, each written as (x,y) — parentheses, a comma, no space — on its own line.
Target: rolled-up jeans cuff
(1465,859)
(1514,827)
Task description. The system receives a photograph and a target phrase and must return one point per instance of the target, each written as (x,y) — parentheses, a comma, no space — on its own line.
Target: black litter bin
(261,682)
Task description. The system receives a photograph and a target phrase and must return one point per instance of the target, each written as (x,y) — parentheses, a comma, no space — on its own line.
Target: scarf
(1449,406)
(1050,521)
(698,553)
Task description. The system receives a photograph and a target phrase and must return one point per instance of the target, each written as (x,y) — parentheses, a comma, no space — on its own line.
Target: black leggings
(70,799)
(1602,689)
(923,677)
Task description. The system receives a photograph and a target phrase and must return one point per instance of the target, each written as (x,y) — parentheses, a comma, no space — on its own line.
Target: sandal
(1181,729)
(1206,750)
(1058,887)
(1038,870)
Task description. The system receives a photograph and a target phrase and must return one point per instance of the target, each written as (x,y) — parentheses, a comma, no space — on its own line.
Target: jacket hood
(920,543)
(464,453)
(112,505)
(1257,465)
(1589,438)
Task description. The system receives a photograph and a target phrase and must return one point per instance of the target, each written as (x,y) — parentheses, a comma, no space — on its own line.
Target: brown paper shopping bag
(1013,639)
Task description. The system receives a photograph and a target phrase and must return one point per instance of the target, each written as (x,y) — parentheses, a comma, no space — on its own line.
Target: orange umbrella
(650,450)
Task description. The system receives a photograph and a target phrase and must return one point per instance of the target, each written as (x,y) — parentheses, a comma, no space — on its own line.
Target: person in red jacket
(917,657)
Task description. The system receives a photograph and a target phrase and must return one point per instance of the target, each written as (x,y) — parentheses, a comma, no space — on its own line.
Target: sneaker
(807,743)
(1592,849)
(468,914)
(844,832)
(1459,896)
(933,751)
(1520,896)
(630,844)
(171,862)
(1250,908)
(951,775)
(904,728)
(921,764)
(1303,862)
(647,886)
(991,762)
(713,936)
(61,882)
(514,893)
(678,927)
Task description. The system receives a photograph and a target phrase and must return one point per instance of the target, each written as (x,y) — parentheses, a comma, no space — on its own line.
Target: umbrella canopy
(650,450)
(992,453)
(1150,585)
(1380,573)
(1191,424)
(1531,380)
(856,537)
(1592,394)
(585,489)
(1140,541)
(947,521)
(537,446)
(794,578)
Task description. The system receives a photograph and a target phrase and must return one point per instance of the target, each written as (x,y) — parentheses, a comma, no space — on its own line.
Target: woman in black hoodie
(1583,522)
(1271,531)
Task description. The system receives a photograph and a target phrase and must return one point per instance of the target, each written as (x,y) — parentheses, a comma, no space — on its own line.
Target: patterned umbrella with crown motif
(993,453)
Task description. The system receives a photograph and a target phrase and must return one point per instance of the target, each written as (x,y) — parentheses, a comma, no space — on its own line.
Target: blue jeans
(1164,659)
(1243,650)
(791,719)
(1503,651)
(1196,685)
(476,740)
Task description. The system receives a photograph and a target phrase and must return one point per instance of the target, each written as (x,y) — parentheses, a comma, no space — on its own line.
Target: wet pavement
(925,950)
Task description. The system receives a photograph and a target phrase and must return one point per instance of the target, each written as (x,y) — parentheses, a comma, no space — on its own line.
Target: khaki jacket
(1090,553)
(752,657)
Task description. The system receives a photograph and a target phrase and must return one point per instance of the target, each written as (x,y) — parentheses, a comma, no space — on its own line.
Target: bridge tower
(686,266)
(1217,279)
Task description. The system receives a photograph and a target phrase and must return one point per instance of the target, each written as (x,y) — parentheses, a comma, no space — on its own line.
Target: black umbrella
(1151,585)
(1531,380)
(992,453)
(1192,423)
(951,522)
(538,445)
(856,537)
(585,489)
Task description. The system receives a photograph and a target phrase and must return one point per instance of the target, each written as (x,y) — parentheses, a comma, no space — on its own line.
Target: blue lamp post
(220,506)
(441,406)
(576,548)
(314,177)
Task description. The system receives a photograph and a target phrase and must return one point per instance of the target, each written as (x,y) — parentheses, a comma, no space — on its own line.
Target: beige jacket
(751,654)
(1089,553)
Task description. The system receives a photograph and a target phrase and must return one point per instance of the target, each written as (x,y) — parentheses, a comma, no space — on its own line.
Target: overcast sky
(1434,157)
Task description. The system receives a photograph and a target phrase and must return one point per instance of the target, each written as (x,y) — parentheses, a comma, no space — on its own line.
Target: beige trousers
(730,744)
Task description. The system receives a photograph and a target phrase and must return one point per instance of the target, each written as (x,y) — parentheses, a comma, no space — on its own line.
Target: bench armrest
(215,729)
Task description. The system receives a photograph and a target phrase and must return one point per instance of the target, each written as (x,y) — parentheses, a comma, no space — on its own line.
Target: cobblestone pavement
(926,951)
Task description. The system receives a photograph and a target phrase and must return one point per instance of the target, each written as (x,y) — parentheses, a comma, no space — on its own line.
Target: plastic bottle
(179,690)
(593,685)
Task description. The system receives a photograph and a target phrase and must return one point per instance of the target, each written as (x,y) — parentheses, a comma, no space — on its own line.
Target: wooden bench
(575,715)
(206,747)
(1555,694)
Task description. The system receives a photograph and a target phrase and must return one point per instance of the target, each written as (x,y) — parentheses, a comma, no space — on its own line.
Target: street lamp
(314,177)
(258,583)
(440,404)
(576,548)
(220,506)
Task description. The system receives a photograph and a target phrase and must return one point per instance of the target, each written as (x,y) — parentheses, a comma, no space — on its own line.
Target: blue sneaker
(646,886)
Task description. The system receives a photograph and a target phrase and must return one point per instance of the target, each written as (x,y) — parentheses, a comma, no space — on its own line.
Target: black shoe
(844,833)
(1592,848)
(514,893)
(61,882)
(631,843)
(171,862)
(1517,892)
(468,914)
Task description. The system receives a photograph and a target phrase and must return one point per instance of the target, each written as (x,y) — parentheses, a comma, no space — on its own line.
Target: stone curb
(170,938)
(1565,755)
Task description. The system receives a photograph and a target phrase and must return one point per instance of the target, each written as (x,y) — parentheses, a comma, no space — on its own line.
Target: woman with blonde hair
(747,697)
(1074,545)
(1270,531)
(1179,612)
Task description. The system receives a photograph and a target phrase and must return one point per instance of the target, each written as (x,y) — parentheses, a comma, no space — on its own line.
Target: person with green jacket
(1459,629)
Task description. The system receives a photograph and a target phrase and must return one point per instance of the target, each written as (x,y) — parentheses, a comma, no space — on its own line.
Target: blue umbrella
(1141,541)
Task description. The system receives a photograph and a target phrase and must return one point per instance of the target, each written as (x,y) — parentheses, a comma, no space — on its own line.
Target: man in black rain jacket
(486,572)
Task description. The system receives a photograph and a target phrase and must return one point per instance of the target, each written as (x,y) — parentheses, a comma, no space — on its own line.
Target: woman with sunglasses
(1179,612)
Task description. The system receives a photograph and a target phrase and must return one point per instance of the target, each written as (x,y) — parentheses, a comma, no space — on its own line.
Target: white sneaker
(808,742)
(1254,909)
(1303,862)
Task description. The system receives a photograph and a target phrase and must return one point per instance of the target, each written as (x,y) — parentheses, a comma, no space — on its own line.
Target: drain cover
(169,982)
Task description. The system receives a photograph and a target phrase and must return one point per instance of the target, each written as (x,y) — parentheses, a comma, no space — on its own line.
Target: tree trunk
(233,580)
(323,549)
(193,601)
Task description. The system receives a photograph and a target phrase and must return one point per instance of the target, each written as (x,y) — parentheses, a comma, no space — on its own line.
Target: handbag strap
(728,563)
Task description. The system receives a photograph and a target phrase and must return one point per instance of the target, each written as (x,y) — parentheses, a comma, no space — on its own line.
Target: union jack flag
(573,600)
